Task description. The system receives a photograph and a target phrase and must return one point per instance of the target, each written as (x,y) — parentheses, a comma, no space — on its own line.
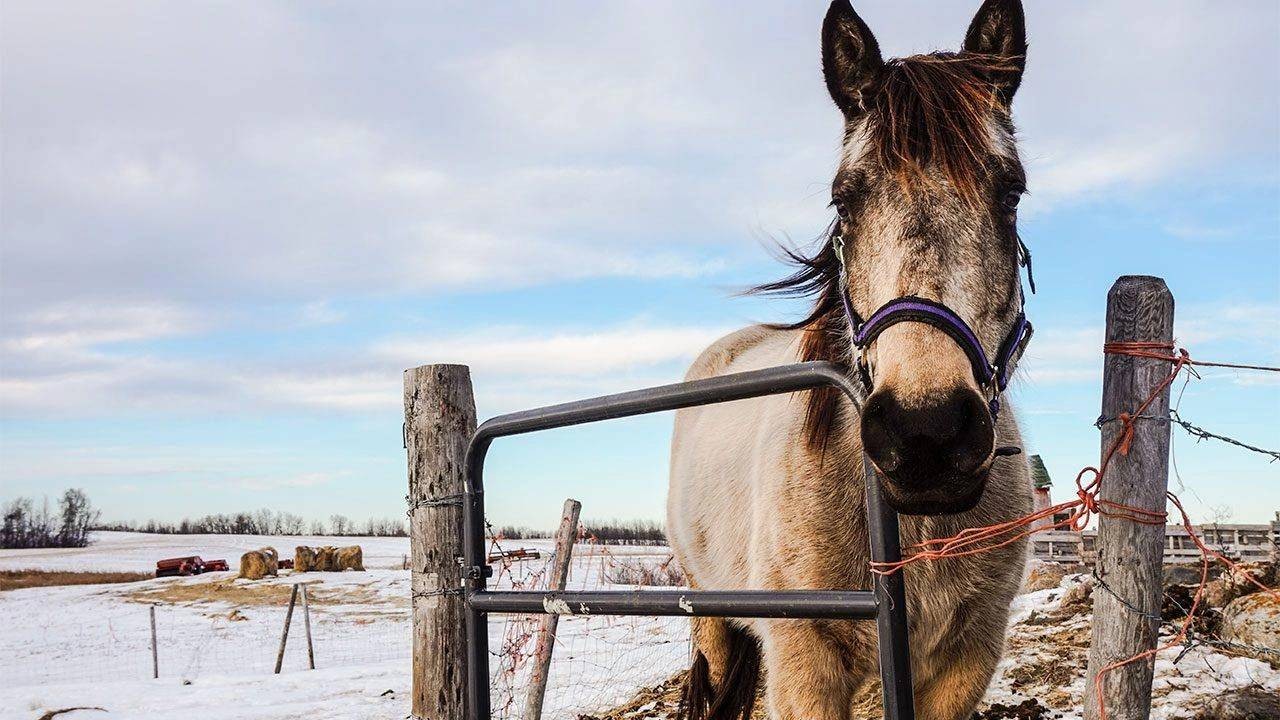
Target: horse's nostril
(890,460)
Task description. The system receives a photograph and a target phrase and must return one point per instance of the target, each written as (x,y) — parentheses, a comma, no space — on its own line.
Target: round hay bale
(1253,620)
(253,565)
(304,559)
(349,558)
(325,558)
(273,560)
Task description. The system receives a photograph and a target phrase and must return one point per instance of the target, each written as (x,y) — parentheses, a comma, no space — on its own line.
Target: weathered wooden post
(1130,554)
(155,652)
(306,617)
(440,418)
(565,536)
(284,634)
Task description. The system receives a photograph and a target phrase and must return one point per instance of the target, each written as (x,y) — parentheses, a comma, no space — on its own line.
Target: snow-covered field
(217,641)
(89,645)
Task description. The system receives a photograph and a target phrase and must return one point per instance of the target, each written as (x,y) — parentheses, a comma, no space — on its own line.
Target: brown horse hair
(735,699)
(925,111)
(935,110)
(826,334)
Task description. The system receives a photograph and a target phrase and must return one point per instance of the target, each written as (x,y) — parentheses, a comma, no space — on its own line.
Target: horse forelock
(938,112)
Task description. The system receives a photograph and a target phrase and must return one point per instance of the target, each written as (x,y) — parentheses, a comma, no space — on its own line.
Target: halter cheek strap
(993,377)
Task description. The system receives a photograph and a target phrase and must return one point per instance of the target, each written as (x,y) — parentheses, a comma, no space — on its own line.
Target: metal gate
(886,604)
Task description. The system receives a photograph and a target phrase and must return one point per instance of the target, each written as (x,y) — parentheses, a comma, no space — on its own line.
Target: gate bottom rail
(807,604)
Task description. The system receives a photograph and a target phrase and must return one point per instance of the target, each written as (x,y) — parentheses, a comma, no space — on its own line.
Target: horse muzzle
(933,456)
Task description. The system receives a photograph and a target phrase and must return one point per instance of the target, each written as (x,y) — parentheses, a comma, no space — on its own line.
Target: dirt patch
(662,701)
(16,579)
(1026,710)
(1052,647)
(659,701)
(241,593)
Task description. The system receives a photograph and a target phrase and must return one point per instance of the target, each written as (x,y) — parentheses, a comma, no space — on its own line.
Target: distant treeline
(264,522)
(626,532)
(26,526)
(611,532)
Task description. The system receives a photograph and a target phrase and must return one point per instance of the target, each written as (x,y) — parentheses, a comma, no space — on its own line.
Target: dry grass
(643,574)
(15,579)
(243,594)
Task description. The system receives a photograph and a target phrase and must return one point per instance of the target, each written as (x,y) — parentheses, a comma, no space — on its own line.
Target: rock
(1077,599)
(1249,703)
(1044,575)
(1241,581)
(1253,620)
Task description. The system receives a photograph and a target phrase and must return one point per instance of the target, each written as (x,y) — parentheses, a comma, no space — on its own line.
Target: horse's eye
(1012,198)
(841,210)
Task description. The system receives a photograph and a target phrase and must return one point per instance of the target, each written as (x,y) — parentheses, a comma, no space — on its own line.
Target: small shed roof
(1039,474)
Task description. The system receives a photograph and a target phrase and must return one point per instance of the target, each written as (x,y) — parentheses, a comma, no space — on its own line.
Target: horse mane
(923,111)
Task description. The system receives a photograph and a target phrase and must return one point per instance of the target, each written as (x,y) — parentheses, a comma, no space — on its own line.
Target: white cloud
(513,367)
(1257,324)
(260,483)
(1070,355)
(321,312)
(598,140)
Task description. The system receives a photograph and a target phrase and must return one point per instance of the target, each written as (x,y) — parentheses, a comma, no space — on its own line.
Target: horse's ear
(1000,30)
(850,57)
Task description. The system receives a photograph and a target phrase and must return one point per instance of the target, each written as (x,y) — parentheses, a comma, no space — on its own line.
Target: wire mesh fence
(598,662)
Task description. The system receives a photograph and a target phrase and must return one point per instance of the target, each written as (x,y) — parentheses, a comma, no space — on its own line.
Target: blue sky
(227,229)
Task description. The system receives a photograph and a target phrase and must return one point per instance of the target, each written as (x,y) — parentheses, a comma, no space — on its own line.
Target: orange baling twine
(973,541)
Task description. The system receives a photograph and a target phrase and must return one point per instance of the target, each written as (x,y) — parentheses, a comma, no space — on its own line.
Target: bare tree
(78,516)
(290,524)
(25,526)
(1219,515)
(339,524)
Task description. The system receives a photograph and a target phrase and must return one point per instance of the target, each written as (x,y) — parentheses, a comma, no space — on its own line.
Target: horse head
(918,285)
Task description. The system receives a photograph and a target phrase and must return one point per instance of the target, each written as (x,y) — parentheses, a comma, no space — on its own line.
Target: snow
(346,693)
(217,640)
(89,645)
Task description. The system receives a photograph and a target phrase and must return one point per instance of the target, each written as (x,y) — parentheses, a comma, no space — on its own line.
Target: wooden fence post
(284,634)
(155,653)
(306,617)
(440,418)
(1130,554)
(565,536)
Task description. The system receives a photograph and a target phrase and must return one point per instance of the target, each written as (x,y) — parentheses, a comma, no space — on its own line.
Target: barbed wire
(1195,431)
(1192,637)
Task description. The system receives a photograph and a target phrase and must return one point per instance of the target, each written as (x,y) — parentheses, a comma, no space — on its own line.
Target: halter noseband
(992,377)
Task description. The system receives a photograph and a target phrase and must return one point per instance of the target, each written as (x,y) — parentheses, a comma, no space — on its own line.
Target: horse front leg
(812,669)
(957,675)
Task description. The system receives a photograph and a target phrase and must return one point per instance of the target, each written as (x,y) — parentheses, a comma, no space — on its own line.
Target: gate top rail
(723,388)
(708,391)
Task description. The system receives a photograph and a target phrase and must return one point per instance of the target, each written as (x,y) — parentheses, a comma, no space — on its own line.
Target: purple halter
(992,377)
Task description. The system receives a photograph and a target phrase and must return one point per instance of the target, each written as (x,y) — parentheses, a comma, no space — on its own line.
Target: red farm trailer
(189,565)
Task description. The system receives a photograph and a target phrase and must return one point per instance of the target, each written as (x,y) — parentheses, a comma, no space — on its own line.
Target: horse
(768,493)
